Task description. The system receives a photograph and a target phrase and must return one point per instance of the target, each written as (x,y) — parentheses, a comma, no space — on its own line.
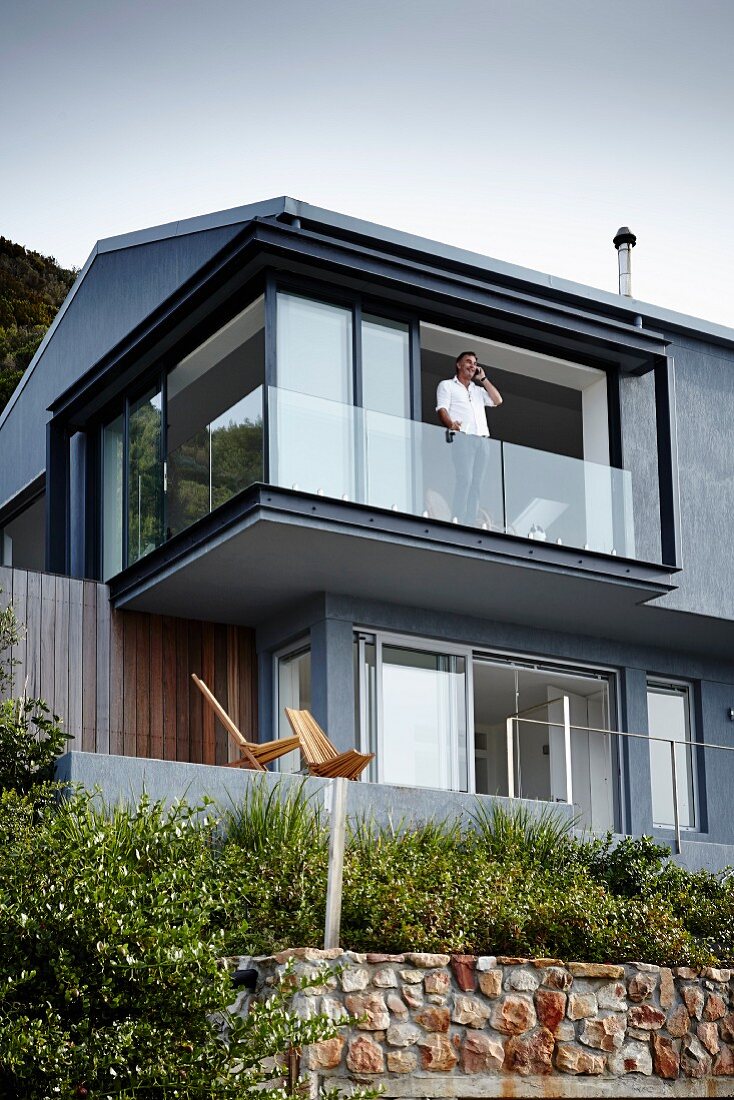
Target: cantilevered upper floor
(253,396)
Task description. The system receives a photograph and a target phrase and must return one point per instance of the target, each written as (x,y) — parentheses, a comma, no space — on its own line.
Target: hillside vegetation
(32,287)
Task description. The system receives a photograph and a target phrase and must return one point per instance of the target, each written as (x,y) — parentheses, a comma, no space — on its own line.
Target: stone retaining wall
(460,1026)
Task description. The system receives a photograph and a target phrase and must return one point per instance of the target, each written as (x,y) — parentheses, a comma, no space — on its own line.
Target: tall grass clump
(275,861)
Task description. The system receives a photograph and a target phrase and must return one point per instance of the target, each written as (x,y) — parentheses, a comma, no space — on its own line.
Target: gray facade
(317,569)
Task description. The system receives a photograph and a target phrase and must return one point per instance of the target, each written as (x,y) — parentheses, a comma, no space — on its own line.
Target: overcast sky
(528,130)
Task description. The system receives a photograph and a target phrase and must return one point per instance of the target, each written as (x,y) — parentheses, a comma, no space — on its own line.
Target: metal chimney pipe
(624,242)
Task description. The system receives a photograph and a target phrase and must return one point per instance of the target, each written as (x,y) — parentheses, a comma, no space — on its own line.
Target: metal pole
(510,761)
(337,837)
(676,811)
(567,748)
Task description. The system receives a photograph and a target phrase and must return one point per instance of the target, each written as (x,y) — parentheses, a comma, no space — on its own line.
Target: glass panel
(554,498)
(534,695)
(668,716)
(385,366)
(314,348)
(312,444)
(215,419)
(188,482)
(294,691)
(345,452)
(460,477)
(419,469)
(145,477)
(424,718)
(495,700)
(237,448)
(112,481)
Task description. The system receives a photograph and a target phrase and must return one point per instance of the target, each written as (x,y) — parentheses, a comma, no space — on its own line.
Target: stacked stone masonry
(424,1025)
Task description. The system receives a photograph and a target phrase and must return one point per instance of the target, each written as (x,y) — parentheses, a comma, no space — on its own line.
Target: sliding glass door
(414,712)
(541,731)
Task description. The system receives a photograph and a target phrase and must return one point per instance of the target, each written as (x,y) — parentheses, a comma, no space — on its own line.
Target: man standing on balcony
(461,404)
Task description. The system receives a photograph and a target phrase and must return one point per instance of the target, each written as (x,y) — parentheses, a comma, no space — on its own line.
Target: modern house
(228,441)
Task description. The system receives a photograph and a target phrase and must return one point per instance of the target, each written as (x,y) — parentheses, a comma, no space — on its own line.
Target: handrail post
(567,748)
(676,810)
(510,760)
(337,839)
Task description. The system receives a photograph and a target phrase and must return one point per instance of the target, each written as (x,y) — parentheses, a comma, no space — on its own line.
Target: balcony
(359,456)
(370,458)
(288,495)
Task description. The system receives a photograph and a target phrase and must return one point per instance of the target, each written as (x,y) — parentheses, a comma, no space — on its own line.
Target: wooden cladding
(121,680)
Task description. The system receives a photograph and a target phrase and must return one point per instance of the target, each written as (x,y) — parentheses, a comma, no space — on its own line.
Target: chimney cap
(625,236)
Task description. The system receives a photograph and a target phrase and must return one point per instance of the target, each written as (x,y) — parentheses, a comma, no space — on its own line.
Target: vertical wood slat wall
(121,680)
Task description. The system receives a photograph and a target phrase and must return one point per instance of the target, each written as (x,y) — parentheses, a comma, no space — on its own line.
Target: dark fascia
(559,320)
(276,207)
(189,304)
(260,241)
(263,502)
(23,499)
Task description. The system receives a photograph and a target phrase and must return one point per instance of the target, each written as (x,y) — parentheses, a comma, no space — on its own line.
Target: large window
(144,476)
(214,402)
(324,437)
(540,730)
(669,720)
(413,708)
(449,717)
(23,538)
(315,348)
(186,445)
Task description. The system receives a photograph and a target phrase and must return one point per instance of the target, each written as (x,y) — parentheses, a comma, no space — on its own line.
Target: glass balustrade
(553,498)
(216,462)
(383,461)
(355,454)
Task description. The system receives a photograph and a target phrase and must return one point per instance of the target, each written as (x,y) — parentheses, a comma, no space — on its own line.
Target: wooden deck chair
(252,754)
(320,755)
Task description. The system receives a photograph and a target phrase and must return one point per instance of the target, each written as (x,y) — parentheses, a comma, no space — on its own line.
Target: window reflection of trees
(233,450)
(145,480)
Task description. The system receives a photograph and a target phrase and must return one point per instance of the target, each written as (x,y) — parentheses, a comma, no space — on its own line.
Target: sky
(526,130)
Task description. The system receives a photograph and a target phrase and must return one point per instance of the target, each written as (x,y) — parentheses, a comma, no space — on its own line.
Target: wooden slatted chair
(252,754)
(321,757)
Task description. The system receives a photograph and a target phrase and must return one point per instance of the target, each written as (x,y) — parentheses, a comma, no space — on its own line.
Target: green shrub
(30,736)
(113,922)
(111,939)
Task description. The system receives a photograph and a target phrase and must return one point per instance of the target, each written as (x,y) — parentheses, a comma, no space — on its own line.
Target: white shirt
(465,403)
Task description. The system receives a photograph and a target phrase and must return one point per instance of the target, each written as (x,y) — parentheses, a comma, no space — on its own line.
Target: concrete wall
(705,403)
(640,457)
(124,779)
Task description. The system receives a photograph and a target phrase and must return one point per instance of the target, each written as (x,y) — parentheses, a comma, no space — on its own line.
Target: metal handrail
(620,733)
(514,720)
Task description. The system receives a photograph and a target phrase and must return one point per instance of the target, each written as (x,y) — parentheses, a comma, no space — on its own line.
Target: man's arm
(443,400)
(452,425)
(492,392)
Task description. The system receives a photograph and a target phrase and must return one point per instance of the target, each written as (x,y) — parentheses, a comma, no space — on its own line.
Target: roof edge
(267,208)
